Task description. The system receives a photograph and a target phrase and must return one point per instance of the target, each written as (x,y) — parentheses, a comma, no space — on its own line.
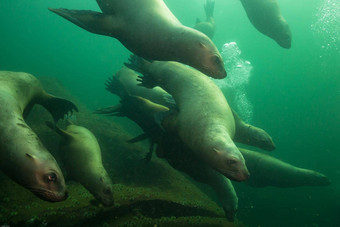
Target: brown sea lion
(149,29)
(81,156)
(125,81)
(22,155)
(207,27)
(266,17)
(269,171)
(203,121)
(169,147)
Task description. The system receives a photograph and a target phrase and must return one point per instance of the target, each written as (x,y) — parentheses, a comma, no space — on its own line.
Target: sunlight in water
(234,85)
(327,24)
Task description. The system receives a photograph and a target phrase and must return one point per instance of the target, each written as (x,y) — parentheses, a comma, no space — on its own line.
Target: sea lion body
(204,120)
(269,171)
(22,155)
(149,29)
(266,17)
(81,156)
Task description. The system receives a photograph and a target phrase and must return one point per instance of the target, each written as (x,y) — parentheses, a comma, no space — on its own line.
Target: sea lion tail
(58,107)
(209,8)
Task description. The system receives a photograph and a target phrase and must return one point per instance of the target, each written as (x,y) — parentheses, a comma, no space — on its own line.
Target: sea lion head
(231,164)
(102,189)
(46,181)
(282,35)
(203,55)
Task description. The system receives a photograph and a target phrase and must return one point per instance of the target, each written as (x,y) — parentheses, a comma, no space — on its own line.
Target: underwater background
(293,94)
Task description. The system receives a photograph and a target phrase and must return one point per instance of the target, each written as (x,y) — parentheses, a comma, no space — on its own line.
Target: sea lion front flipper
(58,107)
(251,135)
(58,130)
(95,22)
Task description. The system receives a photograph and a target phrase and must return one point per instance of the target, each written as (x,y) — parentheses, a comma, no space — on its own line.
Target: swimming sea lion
(125,81)
(22,155)
(149,29)
(207,27)
(171,148)
(203,121)
(269,171)
(82,159)
(266,17)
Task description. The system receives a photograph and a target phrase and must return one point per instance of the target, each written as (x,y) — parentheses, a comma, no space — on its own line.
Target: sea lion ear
(202,45)
(30,156)
(216,151)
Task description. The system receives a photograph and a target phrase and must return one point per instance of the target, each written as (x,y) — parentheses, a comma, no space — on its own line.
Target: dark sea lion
(125,81)
(203,121)
(81,156)
(149,29)
(207,27)
(22,155)
(266,17)
(269,171)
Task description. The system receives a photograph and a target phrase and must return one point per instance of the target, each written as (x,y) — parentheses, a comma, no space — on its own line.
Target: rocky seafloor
(152,194)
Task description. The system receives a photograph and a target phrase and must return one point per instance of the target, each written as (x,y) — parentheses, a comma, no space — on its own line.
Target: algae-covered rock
(152,194)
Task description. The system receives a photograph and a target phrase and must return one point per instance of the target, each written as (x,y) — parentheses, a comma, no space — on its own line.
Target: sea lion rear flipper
(95,22)
(209,8)
(58,107)
(141,65)
(116,87)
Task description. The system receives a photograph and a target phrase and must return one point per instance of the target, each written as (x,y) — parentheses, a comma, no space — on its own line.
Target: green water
(295,93)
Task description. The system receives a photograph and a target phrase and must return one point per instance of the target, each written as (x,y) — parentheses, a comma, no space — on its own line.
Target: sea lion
(171,148)
(269,171)
(149,29)
(125,81)
(82,159)
(22,155)
(203,121)
(266,17)
(207,27)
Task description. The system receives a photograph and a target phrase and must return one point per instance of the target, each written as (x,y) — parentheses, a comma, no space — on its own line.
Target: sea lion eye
(52,177)
(107,191)
(216,60)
